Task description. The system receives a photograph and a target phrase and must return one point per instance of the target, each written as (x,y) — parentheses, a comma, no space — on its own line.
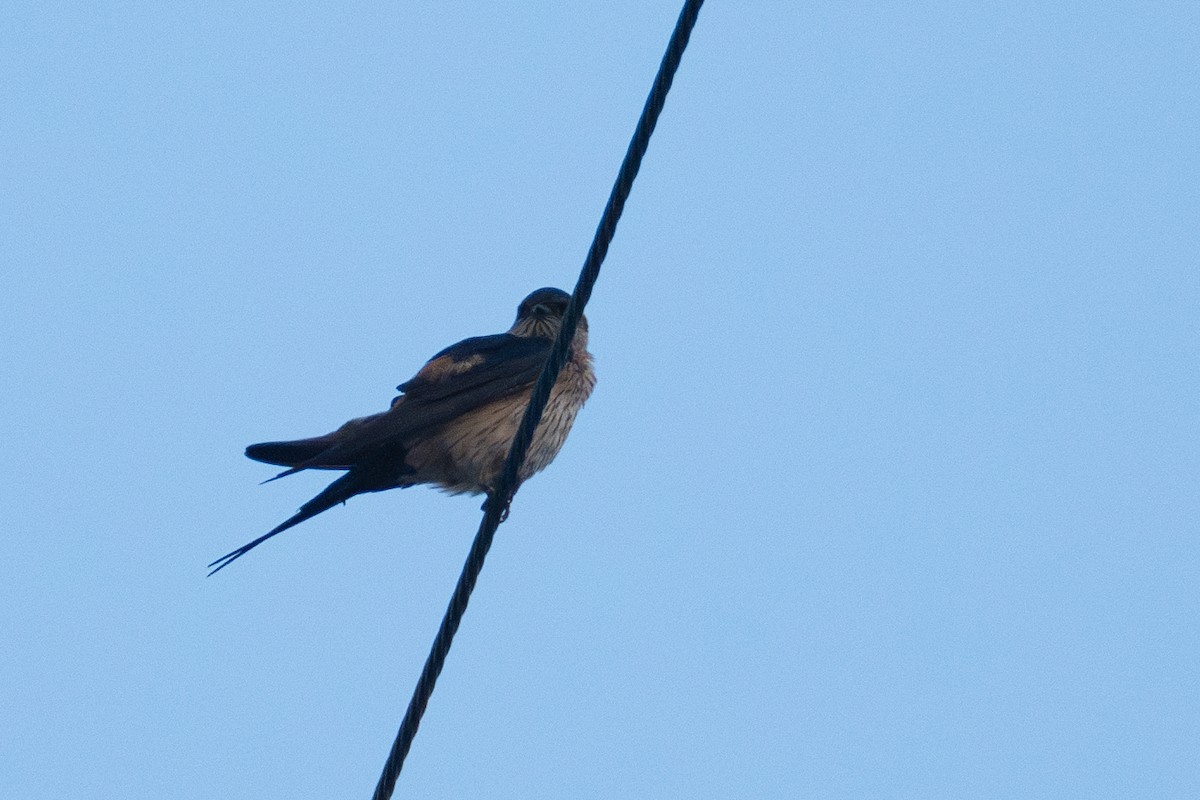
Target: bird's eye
(543,304)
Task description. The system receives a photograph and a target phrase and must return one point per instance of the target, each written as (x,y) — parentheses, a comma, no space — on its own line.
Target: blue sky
(888,488)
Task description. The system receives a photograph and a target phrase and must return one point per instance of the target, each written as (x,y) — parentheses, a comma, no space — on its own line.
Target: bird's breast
(468,454)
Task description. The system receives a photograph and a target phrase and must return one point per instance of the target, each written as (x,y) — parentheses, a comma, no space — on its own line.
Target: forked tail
(339,491)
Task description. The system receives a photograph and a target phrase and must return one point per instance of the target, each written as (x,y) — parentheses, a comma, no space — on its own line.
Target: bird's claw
(507,503)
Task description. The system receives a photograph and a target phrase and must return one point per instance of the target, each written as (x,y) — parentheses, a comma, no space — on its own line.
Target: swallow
(452,424)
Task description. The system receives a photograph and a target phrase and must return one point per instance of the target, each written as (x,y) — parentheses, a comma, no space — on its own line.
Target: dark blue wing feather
(459,379)
(502,361)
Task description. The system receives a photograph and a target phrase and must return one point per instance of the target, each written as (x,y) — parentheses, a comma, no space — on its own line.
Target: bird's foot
(504,505)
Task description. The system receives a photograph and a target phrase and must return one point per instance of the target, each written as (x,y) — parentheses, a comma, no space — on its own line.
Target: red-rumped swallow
(454,423)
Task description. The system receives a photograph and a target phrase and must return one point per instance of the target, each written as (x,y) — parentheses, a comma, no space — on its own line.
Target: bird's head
(541,314)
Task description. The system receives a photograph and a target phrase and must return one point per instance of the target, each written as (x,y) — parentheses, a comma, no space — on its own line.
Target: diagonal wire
(497,505)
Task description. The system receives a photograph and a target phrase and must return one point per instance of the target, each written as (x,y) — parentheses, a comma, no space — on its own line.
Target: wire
(496,509)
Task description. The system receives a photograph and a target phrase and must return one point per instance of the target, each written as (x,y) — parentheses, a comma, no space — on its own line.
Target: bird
(453,423)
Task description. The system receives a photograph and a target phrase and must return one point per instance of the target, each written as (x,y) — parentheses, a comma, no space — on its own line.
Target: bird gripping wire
(496,508)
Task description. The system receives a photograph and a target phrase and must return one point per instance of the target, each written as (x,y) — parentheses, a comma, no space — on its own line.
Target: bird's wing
(303,451)
(502,362)
(461,378)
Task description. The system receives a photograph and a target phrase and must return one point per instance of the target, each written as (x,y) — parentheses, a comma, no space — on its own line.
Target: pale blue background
(888,490)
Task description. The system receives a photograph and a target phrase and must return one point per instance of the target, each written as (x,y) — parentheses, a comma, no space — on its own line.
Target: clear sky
(888,488)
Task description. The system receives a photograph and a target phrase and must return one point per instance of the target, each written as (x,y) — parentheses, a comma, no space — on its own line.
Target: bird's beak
(540,310)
